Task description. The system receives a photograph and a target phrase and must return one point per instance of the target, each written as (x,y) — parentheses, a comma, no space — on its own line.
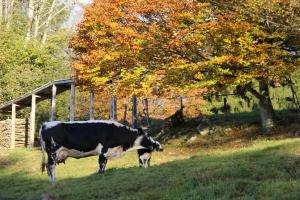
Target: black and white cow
(78,139)
(144,155)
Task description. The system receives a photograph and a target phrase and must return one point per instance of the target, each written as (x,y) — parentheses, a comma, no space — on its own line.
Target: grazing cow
(144,155)
(78,139)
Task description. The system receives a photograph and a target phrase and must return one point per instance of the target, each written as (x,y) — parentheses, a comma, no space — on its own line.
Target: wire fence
(146,108)
(158,108)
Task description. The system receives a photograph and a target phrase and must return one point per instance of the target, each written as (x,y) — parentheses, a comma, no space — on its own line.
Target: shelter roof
(43,92)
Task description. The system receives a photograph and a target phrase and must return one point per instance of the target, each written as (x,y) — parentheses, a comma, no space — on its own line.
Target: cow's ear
(140,131)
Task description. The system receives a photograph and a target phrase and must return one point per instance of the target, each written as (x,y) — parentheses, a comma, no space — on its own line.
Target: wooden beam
(32,121)
(91,104)
(52,112)
(113,108)
(13,126)
(72,101)
(134,112)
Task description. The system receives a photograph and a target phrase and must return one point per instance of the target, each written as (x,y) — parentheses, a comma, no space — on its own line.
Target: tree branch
(255,93)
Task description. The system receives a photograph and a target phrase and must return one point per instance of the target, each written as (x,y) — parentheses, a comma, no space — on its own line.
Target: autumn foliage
(173,46)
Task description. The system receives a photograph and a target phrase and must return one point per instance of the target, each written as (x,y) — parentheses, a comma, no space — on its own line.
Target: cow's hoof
(100,171)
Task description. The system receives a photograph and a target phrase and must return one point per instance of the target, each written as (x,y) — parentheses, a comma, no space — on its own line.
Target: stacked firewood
(5,133)
(21,135)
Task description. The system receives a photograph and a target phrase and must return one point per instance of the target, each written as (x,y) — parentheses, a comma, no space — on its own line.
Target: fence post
(146,110)
(91,104)
(134,112)
(113,108)
(72,102)
(125,112)
(181,103)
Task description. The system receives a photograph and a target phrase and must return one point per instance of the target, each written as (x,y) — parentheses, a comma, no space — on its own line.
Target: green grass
(265,169)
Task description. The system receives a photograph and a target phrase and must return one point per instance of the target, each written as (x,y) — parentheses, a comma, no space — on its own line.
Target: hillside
(257,168)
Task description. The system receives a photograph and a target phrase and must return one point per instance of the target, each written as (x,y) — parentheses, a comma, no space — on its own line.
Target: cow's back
(85,136)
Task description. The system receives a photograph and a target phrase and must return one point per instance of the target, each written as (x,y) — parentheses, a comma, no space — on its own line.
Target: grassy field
(260,169)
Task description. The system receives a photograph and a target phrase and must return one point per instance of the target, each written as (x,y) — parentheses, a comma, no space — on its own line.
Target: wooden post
(32,121)
(146,110)
(91,104)
(52,112)
(113,108)
(181,103)
(13,126)
(125,112)
(72,102)
(134,112)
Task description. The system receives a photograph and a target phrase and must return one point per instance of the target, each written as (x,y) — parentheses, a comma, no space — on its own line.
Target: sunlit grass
(266,169)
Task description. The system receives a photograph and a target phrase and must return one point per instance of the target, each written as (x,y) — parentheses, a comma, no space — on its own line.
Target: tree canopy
(156,46)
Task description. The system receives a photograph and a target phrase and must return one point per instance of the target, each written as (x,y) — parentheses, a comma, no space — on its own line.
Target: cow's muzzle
(160,149)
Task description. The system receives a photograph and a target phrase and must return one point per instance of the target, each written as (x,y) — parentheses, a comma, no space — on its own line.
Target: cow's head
(148,142)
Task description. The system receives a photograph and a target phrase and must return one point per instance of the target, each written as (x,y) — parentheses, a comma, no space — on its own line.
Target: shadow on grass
(230,129)
(270,172)
(7,162)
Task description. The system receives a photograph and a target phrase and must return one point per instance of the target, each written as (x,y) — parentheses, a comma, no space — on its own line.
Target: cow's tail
(42,142)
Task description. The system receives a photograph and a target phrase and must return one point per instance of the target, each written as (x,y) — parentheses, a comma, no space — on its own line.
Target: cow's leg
(51,167)
(148,162)
(140,162)
(102,163)
(51,151)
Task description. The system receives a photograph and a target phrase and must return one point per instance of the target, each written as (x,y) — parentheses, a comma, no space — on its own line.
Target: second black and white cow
(144,156)
(107,139)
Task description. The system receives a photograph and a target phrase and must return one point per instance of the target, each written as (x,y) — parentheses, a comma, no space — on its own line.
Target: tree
(179,45)
(24,68)
(40,16)
(26,62)
(274,15)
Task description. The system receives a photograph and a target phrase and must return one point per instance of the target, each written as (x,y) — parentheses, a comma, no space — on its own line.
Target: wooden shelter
(47,91)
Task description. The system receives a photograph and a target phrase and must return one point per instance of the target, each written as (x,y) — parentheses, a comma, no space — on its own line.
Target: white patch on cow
(63,153)
(138,141)
(145,159)
(117,152)
(114,153)
(137,144)
(151,139)
(99,148)
(96,121)
(145,156)
(117,124)
(51,124)
(159,145)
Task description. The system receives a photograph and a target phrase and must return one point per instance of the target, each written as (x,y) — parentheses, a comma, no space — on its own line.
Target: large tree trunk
(266,113)
(265,105)
(294,93)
